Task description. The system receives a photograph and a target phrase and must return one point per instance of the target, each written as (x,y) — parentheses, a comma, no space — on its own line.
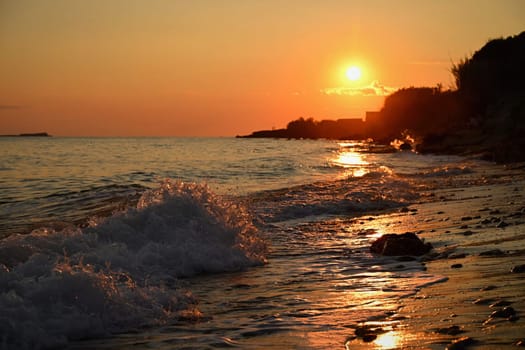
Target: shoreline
(479,249)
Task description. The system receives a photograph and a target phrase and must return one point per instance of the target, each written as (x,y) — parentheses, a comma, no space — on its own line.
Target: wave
(122,272)
(377,190)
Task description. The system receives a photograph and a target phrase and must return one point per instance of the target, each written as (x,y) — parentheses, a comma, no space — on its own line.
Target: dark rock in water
(461,343)
(452,330)
(504,313)
(406,244)
(485,301)
(457,266)
(520,342)
(367,338)
(487,288)
(405,146)
(501,303)
(518,269)
(502,224)
(493,252)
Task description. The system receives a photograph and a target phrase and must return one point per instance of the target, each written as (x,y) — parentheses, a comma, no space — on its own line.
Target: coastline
(479,248)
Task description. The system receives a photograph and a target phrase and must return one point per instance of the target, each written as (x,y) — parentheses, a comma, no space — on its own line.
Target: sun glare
(353,73)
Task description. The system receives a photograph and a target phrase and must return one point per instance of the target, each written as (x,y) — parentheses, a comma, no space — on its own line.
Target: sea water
(200,243)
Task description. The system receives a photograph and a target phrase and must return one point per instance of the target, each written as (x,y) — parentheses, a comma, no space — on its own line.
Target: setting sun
(353,73)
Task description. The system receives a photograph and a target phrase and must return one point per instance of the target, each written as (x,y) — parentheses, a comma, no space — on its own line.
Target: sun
(353,73)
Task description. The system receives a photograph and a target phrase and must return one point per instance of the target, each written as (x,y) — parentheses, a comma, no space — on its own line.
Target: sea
(204,243)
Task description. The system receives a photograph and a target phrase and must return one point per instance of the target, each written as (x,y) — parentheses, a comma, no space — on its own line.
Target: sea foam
(122,272)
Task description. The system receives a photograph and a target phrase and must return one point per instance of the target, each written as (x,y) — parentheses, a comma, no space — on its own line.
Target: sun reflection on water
(389,340)
(353,162)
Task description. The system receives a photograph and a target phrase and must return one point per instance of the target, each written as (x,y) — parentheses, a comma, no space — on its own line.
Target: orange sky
(224,67)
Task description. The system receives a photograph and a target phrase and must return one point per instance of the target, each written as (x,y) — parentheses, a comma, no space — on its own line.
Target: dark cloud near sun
(373,89)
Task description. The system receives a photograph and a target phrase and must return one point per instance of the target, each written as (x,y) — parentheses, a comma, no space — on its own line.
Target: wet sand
(478,234)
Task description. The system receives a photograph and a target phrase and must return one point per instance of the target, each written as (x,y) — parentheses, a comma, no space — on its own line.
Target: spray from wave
(122,272)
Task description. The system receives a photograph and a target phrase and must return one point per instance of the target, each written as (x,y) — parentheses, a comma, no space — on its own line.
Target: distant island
(484,114)
(36,134)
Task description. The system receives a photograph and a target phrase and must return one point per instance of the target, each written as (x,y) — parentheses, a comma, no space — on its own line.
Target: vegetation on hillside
(485,113)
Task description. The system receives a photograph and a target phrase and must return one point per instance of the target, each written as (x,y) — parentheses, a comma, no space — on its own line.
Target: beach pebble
(367,338)
(461,343)
(452,330)
(502,224)
(487,288)
(493,252)
(520,342)
(503,313)
(518,269)
(466,218)
(500,303)
(456,266)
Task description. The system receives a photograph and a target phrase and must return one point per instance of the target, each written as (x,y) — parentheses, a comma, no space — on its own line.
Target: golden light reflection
(389,340)
(353,162)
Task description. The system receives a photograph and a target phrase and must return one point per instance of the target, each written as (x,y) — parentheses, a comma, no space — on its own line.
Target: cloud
(373,89)
(6,107)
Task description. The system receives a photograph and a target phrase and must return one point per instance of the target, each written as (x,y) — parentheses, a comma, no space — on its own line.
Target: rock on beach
(405,244)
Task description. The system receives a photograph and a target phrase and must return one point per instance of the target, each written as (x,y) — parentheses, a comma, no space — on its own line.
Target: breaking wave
(122,272)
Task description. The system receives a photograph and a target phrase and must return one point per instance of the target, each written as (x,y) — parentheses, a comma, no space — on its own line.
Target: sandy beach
(477,230)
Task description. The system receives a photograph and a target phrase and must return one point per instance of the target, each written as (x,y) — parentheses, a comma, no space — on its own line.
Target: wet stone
(518,269)
(506,312)
(404,244)
(456,266)
(493,252)
(520,342)
(367,338)
(461,343)
(502,224)
(500,303)
(466,218)
(452,330)
(487,288)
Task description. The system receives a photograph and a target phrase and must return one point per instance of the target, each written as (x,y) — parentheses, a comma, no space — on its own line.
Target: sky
(225,67)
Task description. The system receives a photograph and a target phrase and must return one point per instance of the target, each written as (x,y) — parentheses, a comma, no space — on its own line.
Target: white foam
(121,272)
